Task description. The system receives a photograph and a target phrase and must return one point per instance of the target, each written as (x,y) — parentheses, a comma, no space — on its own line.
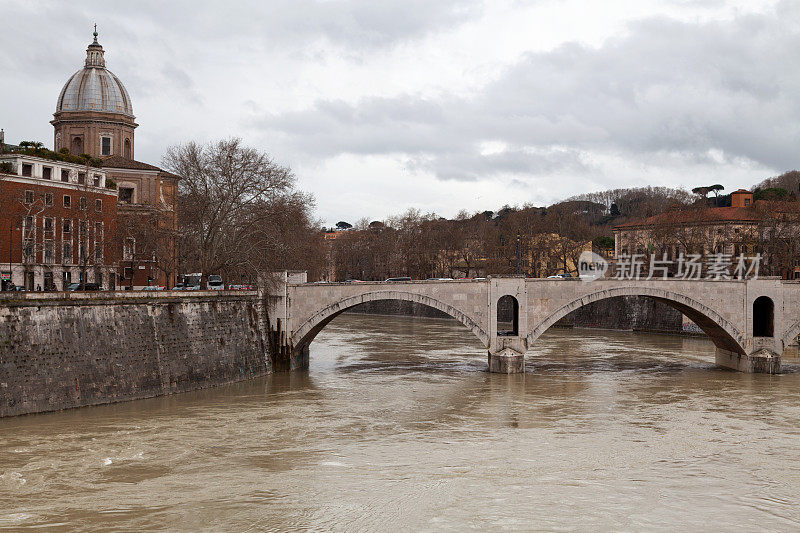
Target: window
(96,180)
(64,175)
(27,169)
(98,205)
(49,225)
(98,253)
(83,203)
(47,173)
(127,273)
(746,202)
(77,146)
(105,145)
(49,253)
(128,149)
(126,195)
(66,256)
(48,199)
(66,226)
(67,201)
(82,178)
(48,282)
(128,250)
(28,197)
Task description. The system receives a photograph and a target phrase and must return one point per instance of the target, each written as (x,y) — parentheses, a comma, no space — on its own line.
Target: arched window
(77,146)
(507,316)
(128,149)
(763,317)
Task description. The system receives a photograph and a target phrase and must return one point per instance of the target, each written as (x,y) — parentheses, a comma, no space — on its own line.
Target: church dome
(94,87)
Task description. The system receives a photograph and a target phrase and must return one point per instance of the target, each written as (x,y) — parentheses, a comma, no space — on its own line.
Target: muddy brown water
(397,426)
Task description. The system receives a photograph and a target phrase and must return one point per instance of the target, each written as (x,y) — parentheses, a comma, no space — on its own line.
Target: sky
(440,105)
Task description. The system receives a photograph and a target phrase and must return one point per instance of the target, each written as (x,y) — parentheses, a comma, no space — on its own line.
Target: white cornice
(56,184)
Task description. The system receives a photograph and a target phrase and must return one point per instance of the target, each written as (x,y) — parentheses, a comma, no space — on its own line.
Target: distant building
(746,227)
(57,224)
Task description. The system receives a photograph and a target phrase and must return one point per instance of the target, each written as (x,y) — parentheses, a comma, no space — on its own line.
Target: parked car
(153,288)
(215,283)
(565,275)
(401,278)
(86,287)
(178,287)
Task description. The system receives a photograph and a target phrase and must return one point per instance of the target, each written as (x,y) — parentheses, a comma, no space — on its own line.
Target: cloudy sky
(442,105)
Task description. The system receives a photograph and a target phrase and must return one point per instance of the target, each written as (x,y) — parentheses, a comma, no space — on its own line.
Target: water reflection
(397,425)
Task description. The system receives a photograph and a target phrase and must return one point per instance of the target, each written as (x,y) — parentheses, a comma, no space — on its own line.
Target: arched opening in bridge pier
(507,316)
(763,317)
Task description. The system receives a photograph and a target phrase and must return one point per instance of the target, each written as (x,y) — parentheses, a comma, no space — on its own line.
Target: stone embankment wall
(622,313)
(69,350)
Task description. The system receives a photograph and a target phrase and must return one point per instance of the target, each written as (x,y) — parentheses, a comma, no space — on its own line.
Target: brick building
(58,224)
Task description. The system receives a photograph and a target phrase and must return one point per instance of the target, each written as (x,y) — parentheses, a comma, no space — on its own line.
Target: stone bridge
(751,322)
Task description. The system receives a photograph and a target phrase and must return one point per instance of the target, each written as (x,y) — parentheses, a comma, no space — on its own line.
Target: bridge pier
(506,361)
(761,362)
(300,359)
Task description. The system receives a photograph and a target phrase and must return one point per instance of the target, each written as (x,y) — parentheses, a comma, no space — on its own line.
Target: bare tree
(238,209)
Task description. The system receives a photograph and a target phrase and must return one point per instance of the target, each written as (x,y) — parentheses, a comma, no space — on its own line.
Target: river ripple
(397,426)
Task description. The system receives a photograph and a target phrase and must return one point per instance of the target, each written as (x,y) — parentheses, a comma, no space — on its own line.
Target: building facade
(58,224)
(747,227)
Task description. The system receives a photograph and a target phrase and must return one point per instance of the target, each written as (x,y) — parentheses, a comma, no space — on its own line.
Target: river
(397,426)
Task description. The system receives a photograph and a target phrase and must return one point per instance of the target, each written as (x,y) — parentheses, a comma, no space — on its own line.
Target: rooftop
(117,161)
(711,215)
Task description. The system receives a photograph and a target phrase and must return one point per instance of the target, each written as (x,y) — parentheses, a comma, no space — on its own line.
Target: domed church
(94,115)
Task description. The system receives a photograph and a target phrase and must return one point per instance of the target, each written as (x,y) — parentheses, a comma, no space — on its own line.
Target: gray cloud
(666,86)
(662,99)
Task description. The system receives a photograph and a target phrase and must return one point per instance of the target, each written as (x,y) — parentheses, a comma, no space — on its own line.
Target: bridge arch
(724,334)
(791,334)
(306,332)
